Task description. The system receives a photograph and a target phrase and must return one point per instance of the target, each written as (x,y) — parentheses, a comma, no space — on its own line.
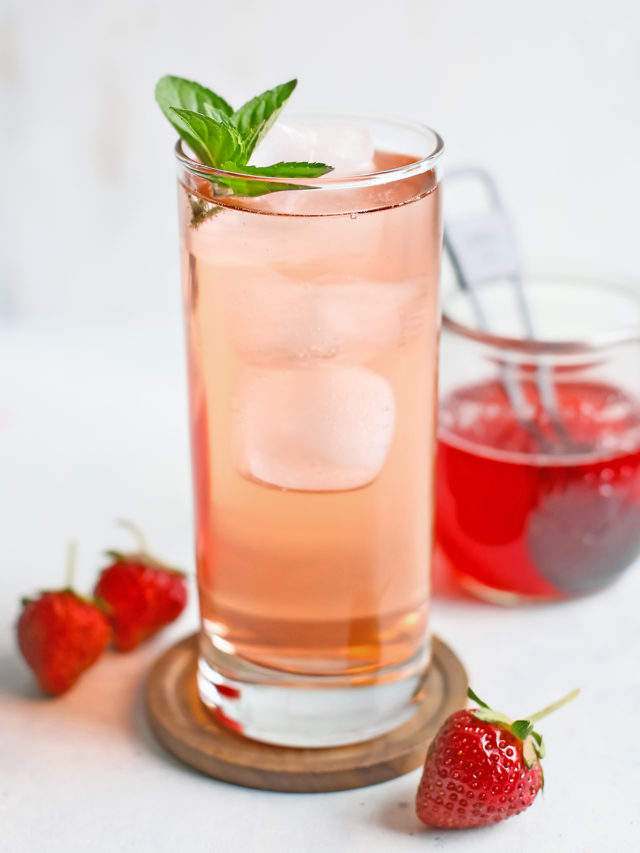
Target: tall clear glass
(312,324)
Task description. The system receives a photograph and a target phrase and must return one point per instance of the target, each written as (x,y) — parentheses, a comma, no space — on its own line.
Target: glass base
(287,709)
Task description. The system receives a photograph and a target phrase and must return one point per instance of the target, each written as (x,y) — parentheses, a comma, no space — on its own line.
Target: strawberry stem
(137,533)
(475,698)
(553,707)
(72,553)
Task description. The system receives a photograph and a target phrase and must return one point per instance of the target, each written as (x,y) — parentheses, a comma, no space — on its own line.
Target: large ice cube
(272,319)
(348,148)
(324,429)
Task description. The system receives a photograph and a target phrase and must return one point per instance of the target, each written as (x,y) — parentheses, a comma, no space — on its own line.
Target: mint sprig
(284,169)
(178,93)
(214,141)
(254,119)
(225,140)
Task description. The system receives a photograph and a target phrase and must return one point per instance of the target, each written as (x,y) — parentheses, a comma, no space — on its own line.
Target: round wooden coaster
(186,728)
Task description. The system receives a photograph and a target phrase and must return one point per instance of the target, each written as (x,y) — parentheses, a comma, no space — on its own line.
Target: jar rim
(605,339)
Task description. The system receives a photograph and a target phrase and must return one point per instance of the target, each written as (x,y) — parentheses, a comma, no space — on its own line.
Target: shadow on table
(145,736)
(15,678)
(94,701)
(398,814)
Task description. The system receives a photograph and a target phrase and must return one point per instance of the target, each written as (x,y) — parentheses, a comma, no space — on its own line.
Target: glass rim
(326,182)
(590,344)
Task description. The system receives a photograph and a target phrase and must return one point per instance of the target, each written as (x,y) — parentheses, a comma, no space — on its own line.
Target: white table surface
(93,427)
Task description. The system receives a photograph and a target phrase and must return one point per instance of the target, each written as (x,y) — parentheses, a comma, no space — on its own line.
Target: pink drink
(312,338)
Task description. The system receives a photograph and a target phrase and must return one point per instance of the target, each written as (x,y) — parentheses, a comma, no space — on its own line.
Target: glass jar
(538,469)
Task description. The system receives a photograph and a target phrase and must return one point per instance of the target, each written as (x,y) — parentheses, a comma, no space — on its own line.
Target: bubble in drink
(324,429)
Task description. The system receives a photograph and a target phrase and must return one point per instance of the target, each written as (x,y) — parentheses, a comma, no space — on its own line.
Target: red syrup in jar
(512,518)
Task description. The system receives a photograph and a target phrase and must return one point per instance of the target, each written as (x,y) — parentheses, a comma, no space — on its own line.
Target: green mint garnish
(225,140)
(282,170)
(255,118)
(186,95)
(214,141)
(201,210)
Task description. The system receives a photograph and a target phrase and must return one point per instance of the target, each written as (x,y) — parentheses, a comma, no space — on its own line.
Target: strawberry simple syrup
(539,518)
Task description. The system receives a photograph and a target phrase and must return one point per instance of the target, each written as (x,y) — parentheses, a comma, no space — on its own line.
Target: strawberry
(60,634)
(481,768)
(140,594)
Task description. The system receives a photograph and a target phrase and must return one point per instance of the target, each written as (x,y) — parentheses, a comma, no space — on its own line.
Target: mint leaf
(254,119)
(249,188)
(281,170)
(201,210)
(184,94)
(213,141)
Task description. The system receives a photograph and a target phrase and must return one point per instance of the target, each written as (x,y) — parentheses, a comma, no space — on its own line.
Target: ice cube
(328,428)
(269,319)
(362,318)
(348,148)
(272,319)
(286,142)
(229,238)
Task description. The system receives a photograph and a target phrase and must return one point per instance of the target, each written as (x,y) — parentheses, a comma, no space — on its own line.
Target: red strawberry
(140,594)
(60,635)
(481,768)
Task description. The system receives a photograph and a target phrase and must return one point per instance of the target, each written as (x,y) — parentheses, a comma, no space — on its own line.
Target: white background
(546,94)
(92,404)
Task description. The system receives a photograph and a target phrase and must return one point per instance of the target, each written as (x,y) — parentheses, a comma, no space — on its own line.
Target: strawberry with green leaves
(482,767)
(61,634)
(140,594)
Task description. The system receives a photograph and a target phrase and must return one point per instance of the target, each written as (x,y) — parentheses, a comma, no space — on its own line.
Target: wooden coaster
(185,727)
